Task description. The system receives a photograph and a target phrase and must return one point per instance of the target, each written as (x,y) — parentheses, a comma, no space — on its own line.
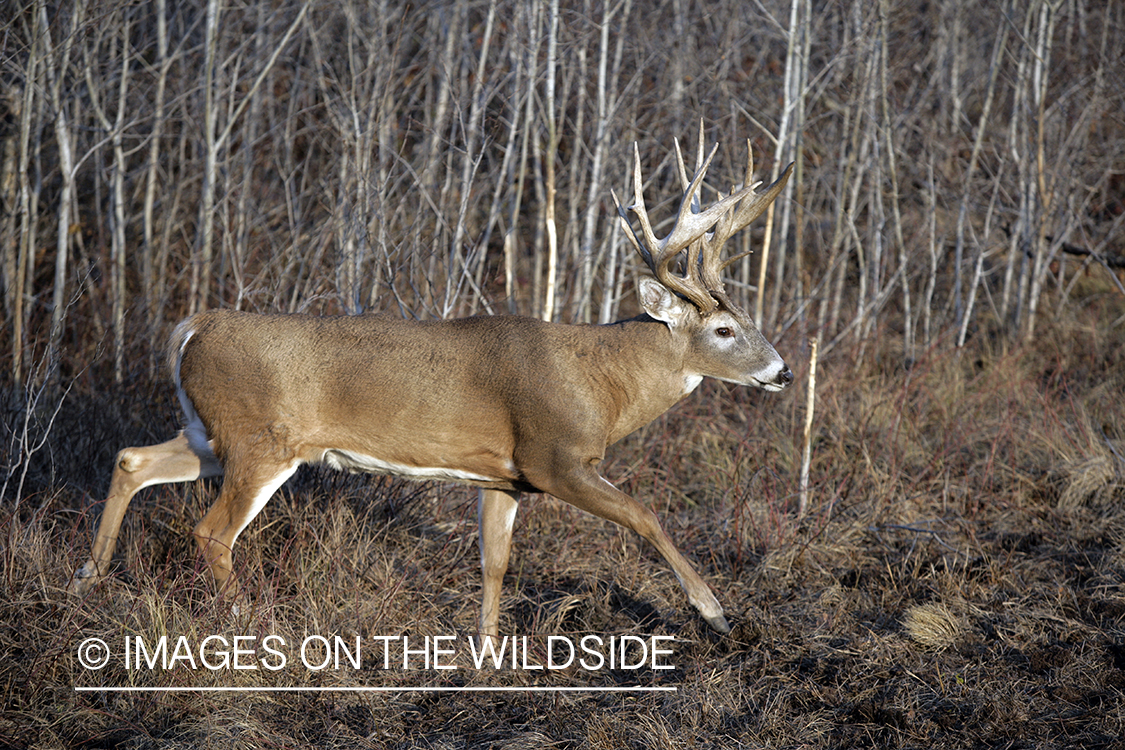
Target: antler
(701,283)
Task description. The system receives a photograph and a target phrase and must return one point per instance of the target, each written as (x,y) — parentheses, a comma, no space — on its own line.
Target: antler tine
(623,219)
(699,147)
(753,204)
(638,207)
(757,202)
(680,166)
(684,183)
(692,222)
(650,242)
(660,254)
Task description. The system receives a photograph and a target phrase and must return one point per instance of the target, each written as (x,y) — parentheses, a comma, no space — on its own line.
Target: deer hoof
(719,624)
(84,579)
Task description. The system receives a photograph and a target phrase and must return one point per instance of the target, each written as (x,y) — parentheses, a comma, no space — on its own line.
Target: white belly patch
(358,462)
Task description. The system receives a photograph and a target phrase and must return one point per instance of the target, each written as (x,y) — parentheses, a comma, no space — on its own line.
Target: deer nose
(785,377)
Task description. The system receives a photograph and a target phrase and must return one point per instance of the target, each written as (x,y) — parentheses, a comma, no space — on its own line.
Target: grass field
(951,238)
(959,580)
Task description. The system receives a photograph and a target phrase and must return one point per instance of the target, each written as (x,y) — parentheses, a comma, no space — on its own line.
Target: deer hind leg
(496,514)
(135,469)
(584,488)
(244,494)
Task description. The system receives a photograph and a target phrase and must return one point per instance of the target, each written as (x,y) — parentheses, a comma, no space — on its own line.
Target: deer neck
(645,363)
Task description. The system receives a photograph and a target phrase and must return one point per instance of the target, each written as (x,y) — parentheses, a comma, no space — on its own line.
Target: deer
(508,404)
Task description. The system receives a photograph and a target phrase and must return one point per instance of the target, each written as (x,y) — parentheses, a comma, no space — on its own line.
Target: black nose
(786,376)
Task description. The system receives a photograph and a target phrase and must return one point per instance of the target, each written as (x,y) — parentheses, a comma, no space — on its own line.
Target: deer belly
(357,462)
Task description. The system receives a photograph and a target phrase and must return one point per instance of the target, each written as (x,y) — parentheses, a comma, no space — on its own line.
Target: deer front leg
(496,515)
(135,469)
(584,488)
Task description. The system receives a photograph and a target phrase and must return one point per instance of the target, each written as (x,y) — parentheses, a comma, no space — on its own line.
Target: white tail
(508,404)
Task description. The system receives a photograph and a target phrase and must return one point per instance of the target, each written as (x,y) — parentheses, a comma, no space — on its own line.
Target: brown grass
(958,582)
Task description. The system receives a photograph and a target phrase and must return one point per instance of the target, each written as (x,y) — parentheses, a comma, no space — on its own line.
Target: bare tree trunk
(241,222)
(14,198)
(606,107)
(202,264)
(56,70)
(1045,197)
(806,435)
(385,96)
(978,140)
(1025,221)
(931,281)
(116,129)
(548,312)
(889,146)
(791,113)
(9,197)
(459,256)
(529,66)
(150,282)
(118,239)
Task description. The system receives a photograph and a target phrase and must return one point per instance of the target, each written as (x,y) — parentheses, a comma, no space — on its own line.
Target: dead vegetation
(959,582)
(951,237)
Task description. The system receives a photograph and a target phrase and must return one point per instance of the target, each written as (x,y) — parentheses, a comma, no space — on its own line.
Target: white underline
(376,689)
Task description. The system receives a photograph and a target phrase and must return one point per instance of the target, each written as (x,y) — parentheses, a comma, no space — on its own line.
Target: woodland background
(950,239)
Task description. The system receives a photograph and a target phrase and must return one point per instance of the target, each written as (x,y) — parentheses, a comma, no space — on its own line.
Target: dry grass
(959,582)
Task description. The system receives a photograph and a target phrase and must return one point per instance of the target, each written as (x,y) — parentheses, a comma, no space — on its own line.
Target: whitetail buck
(508,404)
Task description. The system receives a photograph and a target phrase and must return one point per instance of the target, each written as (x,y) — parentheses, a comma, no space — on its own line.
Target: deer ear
(662,303)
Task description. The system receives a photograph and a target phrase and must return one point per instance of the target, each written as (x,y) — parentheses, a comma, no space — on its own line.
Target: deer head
(694,304)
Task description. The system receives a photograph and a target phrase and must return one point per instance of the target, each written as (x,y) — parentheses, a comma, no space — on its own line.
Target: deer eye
(724,332)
